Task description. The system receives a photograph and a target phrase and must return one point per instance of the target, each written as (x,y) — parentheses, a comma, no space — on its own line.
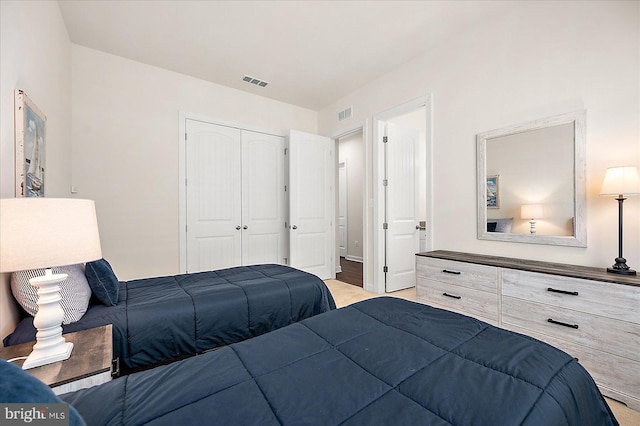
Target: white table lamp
(532,212)
(43,233)
(621,182)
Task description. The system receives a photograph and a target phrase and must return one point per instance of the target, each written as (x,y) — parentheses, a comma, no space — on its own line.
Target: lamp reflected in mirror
(532,212)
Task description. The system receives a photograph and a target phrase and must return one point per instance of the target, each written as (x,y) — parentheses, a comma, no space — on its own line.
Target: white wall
(35,56)
(125,150)
(544,59)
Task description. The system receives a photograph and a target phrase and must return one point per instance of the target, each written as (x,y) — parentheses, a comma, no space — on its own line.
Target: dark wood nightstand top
(91,355)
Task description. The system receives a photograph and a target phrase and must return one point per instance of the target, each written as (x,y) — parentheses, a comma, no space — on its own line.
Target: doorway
(350,212)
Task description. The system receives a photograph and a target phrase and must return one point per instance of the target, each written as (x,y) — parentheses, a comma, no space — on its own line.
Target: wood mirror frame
(579,237)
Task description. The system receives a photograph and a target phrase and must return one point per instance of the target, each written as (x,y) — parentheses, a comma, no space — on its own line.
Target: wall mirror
(531,182)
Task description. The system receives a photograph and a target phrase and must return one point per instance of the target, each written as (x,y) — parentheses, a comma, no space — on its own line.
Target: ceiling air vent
(255,81)
(344,114)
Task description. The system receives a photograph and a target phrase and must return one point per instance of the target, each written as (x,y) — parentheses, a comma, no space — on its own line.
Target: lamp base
(621,267)
(38,358)
(50,344)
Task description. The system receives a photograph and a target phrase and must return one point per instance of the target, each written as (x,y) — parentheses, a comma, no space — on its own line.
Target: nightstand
(89,364)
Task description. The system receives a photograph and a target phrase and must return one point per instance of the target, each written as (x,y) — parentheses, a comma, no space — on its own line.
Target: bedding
(18,387)
(166,318)
(103,282)
(381,361)
(75,292)
(499,225)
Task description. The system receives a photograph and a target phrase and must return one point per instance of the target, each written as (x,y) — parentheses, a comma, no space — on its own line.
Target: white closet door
(214,235)
(263,199)
(311,174)
(402,237)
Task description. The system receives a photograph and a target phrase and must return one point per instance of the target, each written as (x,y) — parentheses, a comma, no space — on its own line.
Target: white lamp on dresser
(621,182)
(44,233)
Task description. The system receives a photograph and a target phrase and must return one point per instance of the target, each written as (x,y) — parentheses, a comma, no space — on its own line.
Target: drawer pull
(552,321)
(452,296)
(446,271)
(555,290)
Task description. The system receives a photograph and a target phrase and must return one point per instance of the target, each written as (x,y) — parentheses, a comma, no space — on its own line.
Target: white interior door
(213,196)
(342,209)
(311,177)
(263,199)
(402,212)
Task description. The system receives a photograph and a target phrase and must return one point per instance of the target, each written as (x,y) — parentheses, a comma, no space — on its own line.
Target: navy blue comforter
(383,361)
(164,318)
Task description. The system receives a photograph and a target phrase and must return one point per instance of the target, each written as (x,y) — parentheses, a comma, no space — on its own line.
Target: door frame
(182,172)
(361,126)
(340,191)
(378,175)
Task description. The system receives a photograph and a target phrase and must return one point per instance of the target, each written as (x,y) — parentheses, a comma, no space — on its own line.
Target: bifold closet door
(263,199)
(214,196)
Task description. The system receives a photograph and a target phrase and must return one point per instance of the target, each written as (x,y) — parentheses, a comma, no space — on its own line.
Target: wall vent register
(345,113)
(255,81)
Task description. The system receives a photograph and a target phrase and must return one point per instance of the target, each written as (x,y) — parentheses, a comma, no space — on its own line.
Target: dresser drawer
(605,334)
(468,301)
(618,377)
(470,275)
(621,302)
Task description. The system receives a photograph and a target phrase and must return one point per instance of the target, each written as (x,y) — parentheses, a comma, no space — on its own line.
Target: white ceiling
(312,52)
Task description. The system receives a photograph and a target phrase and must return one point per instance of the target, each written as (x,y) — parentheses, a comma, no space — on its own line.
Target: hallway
(351,272)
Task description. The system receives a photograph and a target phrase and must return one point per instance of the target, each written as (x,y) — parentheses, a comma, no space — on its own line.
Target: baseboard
(355,259)
(338,269)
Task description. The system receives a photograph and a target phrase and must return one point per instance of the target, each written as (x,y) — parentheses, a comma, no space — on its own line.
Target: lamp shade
(46,232)
(531,211)
(621,181)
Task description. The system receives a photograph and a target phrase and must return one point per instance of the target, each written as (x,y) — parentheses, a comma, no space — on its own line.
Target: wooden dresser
(589,313)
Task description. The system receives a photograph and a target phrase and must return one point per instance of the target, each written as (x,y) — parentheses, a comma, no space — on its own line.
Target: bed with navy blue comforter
(165,318)
(383,361)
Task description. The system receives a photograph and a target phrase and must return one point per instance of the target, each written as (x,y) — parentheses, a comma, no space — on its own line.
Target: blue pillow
(19,387)
(103,282)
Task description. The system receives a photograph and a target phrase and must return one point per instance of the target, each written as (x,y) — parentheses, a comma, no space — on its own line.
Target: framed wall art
(30,137)
(493,192)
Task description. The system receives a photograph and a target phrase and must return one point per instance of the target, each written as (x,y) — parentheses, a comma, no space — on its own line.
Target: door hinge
(385,182)
(385,226)
(185,181)
(185,136)
(285,188)
(385,139)
(186,227)
(385,269)
(286,150)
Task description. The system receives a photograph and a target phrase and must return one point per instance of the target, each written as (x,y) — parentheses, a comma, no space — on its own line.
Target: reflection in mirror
(531,184)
